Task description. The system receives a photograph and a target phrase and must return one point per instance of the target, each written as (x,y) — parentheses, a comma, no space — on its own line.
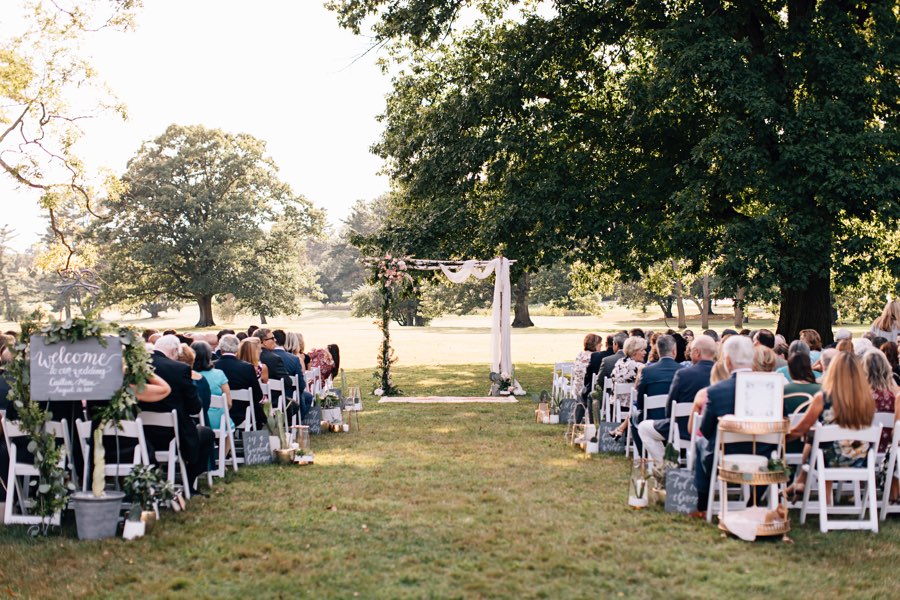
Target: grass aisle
(444,501)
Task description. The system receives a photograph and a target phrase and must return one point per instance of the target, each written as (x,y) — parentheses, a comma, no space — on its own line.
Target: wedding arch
(391,271)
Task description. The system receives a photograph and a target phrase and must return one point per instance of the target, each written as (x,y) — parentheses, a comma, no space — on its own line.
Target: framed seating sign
(759,397)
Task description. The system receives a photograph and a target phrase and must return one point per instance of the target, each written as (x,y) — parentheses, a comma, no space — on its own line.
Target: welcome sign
(82,370)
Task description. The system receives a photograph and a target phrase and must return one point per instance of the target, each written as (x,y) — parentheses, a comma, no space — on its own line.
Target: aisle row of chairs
(23,474)
(862,492)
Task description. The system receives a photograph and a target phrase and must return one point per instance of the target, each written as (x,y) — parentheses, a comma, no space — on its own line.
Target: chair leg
(10,492)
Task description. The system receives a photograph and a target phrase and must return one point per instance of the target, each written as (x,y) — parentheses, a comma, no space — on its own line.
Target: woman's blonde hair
(719,372)
(764,359)
(291,343)
(249,350)
(890,317)
(633,344)
(846,386)
(878,371)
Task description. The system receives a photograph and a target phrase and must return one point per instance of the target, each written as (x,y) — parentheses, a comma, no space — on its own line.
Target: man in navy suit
(738,354)
(654,380)
(196,442)
(241,376)
(293,366)
(685,385)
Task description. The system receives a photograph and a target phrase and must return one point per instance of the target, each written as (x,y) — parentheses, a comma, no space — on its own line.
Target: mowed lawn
(462,501)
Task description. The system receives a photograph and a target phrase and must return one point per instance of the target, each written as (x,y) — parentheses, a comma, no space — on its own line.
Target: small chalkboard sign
(256,448)
(567,410)
(83,370)
(313,420)
(609,443)
(681,495)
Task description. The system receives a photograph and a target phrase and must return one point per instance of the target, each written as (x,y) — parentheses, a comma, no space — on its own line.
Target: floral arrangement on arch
(390,275)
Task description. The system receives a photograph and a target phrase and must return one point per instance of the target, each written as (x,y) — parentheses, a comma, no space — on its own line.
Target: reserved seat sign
(82,370)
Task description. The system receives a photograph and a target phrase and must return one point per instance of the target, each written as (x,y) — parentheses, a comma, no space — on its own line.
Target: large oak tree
(756,134)
(202,212)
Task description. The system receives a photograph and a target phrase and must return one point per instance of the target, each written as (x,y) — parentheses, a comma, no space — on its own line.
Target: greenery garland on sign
(390,277)
(52,488)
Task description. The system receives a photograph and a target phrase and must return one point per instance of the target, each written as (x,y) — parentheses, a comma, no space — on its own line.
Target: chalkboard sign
(82,370)
(608,443)
(313,420)
(256,448)
(681,495)
(567,410)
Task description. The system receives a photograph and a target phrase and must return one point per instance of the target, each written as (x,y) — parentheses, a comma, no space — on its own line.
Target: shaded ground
(464,501)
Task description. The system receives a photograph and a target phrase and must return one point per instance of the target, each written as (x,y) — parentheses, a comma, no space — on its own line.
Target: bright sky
(279,70)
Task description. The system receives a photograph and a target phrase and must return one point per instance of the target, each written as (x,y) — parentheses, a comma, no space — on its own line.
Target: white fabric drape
(501,360)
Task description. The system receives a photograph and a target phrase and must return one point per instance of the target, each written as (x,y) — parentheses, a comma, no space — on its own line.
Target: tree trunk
(679,300)
(206,313)
(522,319)
(262,319)
(739,309)
(808,308)
(704,310)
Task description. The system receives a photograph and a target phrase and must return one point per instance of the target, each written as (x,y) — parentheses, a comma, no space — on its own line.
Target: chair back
(833,433)
(885,419)
(295,383)
(680,410)
(654,402)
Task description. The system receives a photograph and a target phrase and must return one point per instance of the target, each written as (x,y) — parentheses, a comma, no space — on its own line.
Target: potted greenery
(96,512)
(147,488)
(554,411)
(277,434)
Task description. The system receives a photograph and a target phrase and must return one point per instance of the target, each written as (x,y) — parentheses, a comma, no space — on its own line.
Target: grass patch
(461,501)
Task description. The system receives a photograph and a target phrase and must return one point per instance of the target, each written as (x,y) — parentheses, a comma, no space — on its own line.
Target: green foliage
(146,485)
(203,213)
(52,488)
(632,134)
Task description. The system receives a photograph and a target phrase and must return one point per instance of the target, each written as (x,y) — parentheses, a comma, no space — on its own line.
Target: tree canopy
(47,87)
(757,135)
(202,212)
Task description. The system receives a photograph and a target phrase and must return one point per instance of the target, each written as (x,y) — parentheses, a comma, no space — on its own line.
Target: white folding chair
(246,395)
(126,429)
(277,385)
(795,459)
(608,399)
(224,437)
(720,488)
(892,471)
(651,403)
(820,475)
(17,489)
(886,420)
(680,410)
(313,380)
(171,456)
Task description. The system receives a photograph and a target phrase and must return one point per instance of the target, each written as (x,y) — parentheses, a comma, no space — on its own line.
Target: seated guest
(294,367)
(186,355)
(320,358)
(893,357)
(680,348)
(5,359)
(196,442)
(305,358)
(627,370)
(594,365)
(884,390)
(292,346)
(241,375)
(276,365)
(712,333)
(796,346)
(608,363)
(216,352)
(764,337)
(249,351)
(251,331)
(336,357)
(582,360)
(738,352)
(217,380)
(887,325)
(686,383)
(147,333)
(763,359)
(802,381)
(718,373)
(845,400)
(812,339)
(241,336)
(655,380)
